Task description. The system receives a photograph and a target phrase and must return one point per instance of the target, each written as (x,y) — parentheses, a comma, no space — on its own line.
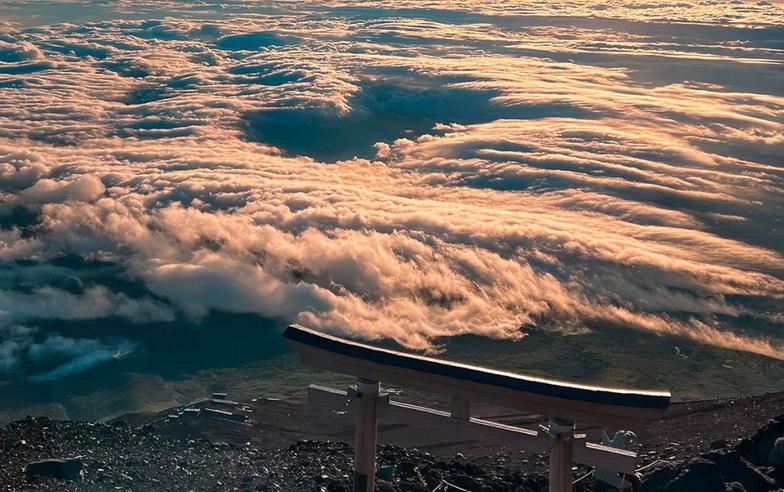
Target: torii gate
(563,403)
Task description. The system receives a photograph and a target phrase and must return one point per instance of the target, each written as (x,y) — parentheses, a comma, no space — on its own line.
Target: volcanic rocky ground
(720,445)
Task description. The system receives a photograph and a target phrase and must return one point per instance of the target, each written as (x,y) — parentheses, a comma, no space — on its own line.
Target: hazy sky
(408,173)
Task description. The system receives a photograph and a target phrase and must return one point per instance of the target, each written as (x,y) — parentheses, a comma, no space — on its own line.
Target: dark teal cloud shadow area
(383,111)
(170,351)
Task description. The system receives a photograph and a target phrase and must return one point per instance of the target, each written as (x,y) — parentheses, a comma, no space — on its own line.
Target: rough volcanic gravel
(118,457)
(754,464)
(691,428)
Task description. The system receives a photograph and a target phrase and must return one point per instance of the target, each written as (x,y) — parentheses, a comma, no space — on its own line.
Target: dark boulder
(659,477)
(699,474)
(466,481)
(716,470)
(407,469)
(776,457)
(473,469)
(735,468)
(757,449)
(60,469)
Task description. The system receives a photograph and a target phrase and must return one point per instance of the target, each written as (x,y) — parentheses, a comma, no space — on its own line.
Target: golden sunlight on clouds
(411,173)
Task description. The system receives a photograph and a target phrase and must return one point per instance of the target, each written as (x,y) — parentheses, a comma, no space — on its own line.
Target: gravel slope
(698,445)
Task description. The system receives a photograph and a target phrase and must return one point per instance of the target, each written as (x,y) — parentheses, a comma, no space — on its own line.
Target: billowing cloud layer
(411,173)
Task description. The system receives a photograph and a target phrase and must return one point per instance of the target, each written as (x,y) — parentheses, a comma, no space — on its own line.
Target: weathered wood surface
(474,429)
(366,436)
(561,456)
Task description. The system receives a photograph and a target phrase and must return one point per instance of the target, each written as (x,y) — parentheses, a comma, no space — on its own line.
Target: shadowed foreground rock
(753,465)
(119,457)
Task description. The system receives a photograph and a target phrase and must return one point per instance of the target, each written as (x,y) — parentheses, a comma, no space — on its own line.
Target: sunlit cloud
(411,174)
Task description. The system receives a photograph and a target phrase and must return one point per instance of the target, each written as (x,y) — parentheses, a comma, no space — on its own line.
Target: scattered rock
(747,467)
(125,457)
(734,468)
(757,449)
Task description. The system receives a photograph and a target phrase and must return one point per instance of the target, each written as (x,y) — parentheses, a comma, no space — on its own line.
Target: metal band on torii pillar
(562,432)
(366,435)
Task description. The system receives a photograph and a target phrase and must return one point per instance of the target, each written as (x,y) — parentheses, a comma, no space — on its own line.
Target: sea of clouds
(409,172)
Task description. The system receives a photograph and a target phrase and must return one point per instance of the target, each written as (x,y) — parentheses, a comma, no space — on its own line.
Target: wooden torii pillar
(562,433)
(563,403)
(366,440)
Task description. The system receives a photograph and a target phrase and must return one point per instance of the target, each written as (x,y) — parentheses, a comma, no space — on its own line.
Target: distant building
(220,396)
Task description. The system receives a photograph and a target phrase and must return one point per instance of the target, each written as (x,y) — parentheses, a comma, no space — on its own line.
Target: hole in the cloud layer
(384,111)
(127,67)
(147,94)
(19,217)
(272,79)
(11,53)
(12,84)
(154,128)
(251,41)
(188,81)
(25,68)
(79,50)
(265,74)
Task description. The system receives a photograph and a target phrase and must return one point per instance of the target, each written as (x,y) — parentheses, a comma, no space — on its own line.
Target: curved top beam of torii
(607,407)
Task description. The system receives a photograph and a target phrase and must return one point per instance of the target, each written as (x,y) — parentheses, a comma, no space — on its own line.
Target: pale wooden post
(366,435)
(562,433)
